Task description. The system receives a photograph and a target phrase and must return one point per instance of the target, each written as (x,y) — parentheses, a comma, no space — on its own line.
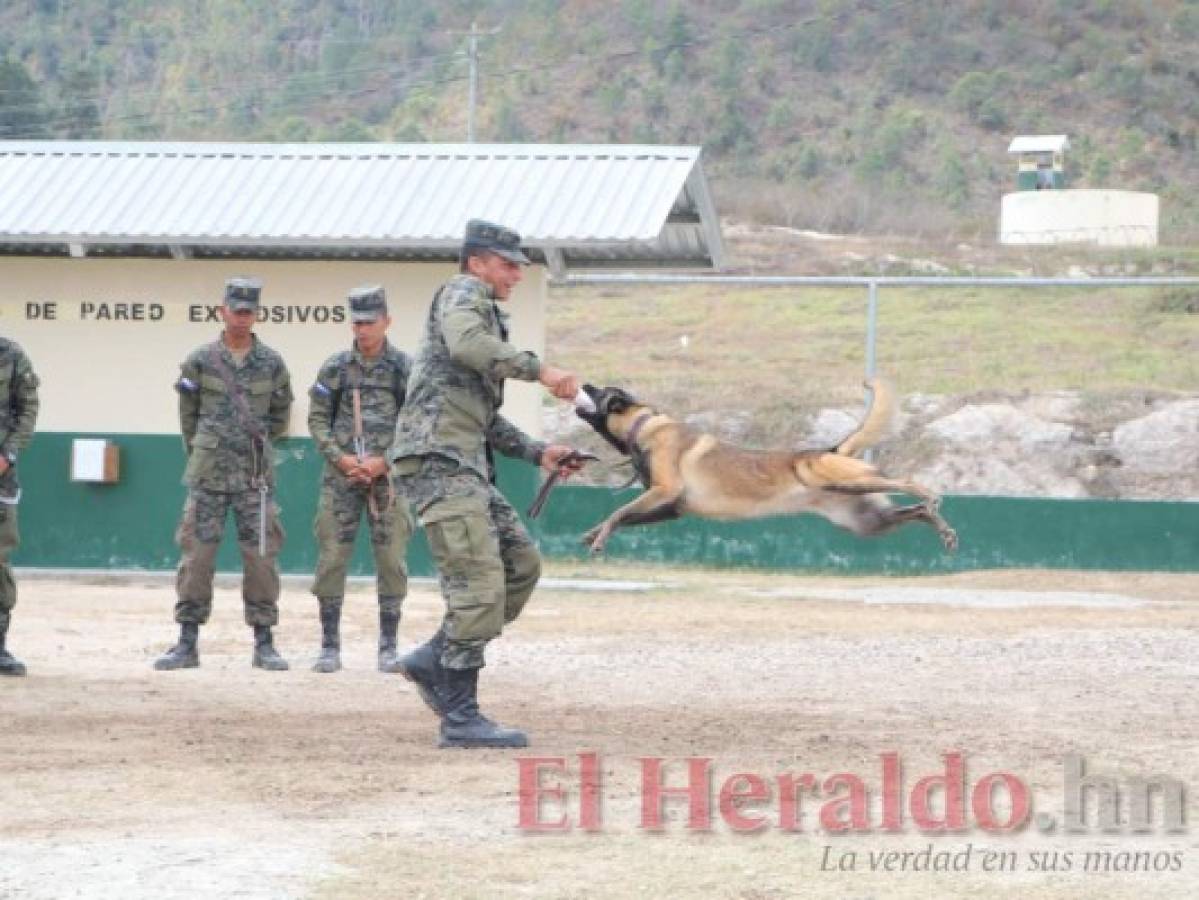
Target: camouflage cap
(242,294)
(367,303)
(505,242)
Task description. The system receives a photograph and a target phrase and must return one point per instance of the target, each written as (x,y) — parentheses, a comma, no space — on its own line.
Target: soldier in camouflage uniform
(234,400)
(450,420)
(18,414)
(354,404)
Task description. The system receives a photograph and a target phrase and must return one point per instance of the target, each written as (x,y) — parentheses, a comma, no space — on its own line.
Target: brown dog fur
(686,472)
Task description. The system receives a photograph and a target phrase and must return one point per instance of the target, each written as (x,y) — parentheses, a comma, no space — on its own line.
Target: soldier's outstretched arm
(562,384)
(468,337)
(511,441)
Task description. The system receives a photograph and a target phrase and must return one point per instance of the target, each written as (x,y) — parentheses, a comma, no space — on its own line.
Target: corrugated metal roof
(1039,143)
(579,205)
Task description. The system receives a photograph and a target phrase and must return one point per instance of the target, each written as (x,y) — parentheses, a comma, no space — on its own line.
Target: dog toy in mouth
(583,402)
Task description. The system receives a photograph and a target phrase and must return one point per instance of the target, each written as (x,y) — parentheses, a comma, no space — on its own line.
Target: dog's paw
(596,539)
(594,542)
(949,538)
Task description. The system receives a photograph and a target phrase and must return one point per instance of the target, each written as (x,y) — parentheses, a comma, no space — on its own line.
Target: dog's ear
(618,401)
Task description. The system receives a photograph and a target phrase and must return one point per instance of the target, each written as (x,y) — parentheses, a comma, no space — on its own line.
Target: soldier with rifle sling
(353,407)
(234,401)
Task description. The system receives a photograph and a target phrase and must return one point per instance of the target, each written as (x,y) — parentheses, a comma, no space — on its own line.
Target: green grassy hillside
(832,114)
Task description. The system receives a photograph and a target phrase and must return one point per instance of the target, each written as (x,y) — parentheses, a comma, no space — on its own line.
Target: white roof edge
(1039,143)
(362,150)
(298,242)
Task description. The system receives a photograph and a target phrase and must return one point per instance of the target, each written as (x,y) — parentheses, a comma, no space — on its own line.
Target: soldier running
(450,421)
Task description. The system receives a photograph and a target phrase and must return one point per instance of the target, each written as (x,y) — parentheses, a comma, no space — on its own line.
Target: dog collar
(638,424)
(640,458)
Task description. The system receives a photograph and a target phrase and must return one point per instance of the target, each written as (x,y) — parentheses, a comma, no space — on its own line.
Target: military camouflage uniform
(382,380)
(18,413)
(224,465)
(487,562)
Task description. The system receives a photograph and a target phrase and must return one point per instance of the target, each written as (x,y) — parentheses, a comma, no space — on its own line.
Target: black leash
(573,458)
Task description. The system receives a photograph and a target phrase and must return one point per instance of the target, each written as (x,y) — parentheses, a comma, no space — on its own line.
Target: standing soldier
(352,417)
(18,414)
(487,561)
(234,400)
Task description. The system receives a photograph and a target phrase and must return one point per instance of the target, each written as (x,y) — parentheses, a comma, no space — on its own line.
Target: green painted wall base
(995,532)
(131,525)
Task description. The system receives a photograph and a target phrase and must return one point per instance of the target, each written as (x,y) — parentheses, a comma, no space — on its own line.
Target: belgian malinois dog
(686,472)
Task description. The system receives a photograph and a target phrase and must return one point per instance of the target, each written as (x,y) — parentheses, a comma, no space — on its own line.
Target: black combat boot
(423,668)
(9,665)
(184,654)
(330,658)
(265,655)
(463,725)
(389,628)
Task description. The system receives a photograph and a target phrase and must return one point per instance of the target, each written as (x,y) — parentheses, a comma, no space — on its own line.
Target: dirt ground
(119,781)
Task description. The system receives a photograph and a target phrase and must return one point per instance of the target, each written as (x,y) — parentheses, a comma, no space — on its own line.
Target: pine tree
(22,115)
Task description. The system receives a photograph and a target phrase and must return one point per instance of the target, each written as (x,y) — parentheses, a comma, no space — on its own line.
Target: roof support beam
(707,215)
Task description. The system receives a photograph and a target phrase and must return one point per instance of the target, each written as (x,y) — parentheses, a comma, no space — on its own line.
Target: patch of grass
(781,353)
(1175,301)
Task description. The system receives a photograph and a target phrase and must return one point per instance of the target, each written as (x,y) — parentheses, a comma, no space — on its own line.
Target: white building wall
(1107,218)
(106,336)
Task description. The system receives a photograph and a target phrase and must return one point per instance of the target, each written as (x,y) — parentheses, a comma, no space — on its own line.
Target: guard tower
(1041,161)
(1042,210)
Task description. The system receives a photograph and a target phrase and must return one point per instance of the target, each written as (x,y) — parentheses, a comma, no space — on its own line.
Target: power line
(473,55)
(135,117)
(562,62)
(306,85)
(267,77)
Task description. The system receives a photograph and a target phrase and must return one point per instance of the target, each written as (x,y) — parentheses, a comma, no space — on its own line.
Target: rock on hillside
(1159,452)
(1055,445)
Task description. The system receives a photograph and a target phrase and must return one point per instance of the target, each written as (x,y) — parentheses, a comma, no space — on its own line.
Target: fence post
(871,328)
(871,346)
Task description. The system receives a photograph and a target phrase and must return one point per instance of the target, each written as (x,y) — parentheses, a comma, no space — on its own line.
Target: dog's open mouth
(587,405)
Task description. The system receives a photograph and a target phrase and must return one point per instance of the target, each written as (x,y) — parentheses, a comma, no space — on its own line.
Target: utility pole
(473,56)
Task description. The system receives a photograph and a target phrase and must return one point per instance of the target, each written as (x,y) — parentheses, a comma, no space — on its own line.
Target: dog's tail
(877,420)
